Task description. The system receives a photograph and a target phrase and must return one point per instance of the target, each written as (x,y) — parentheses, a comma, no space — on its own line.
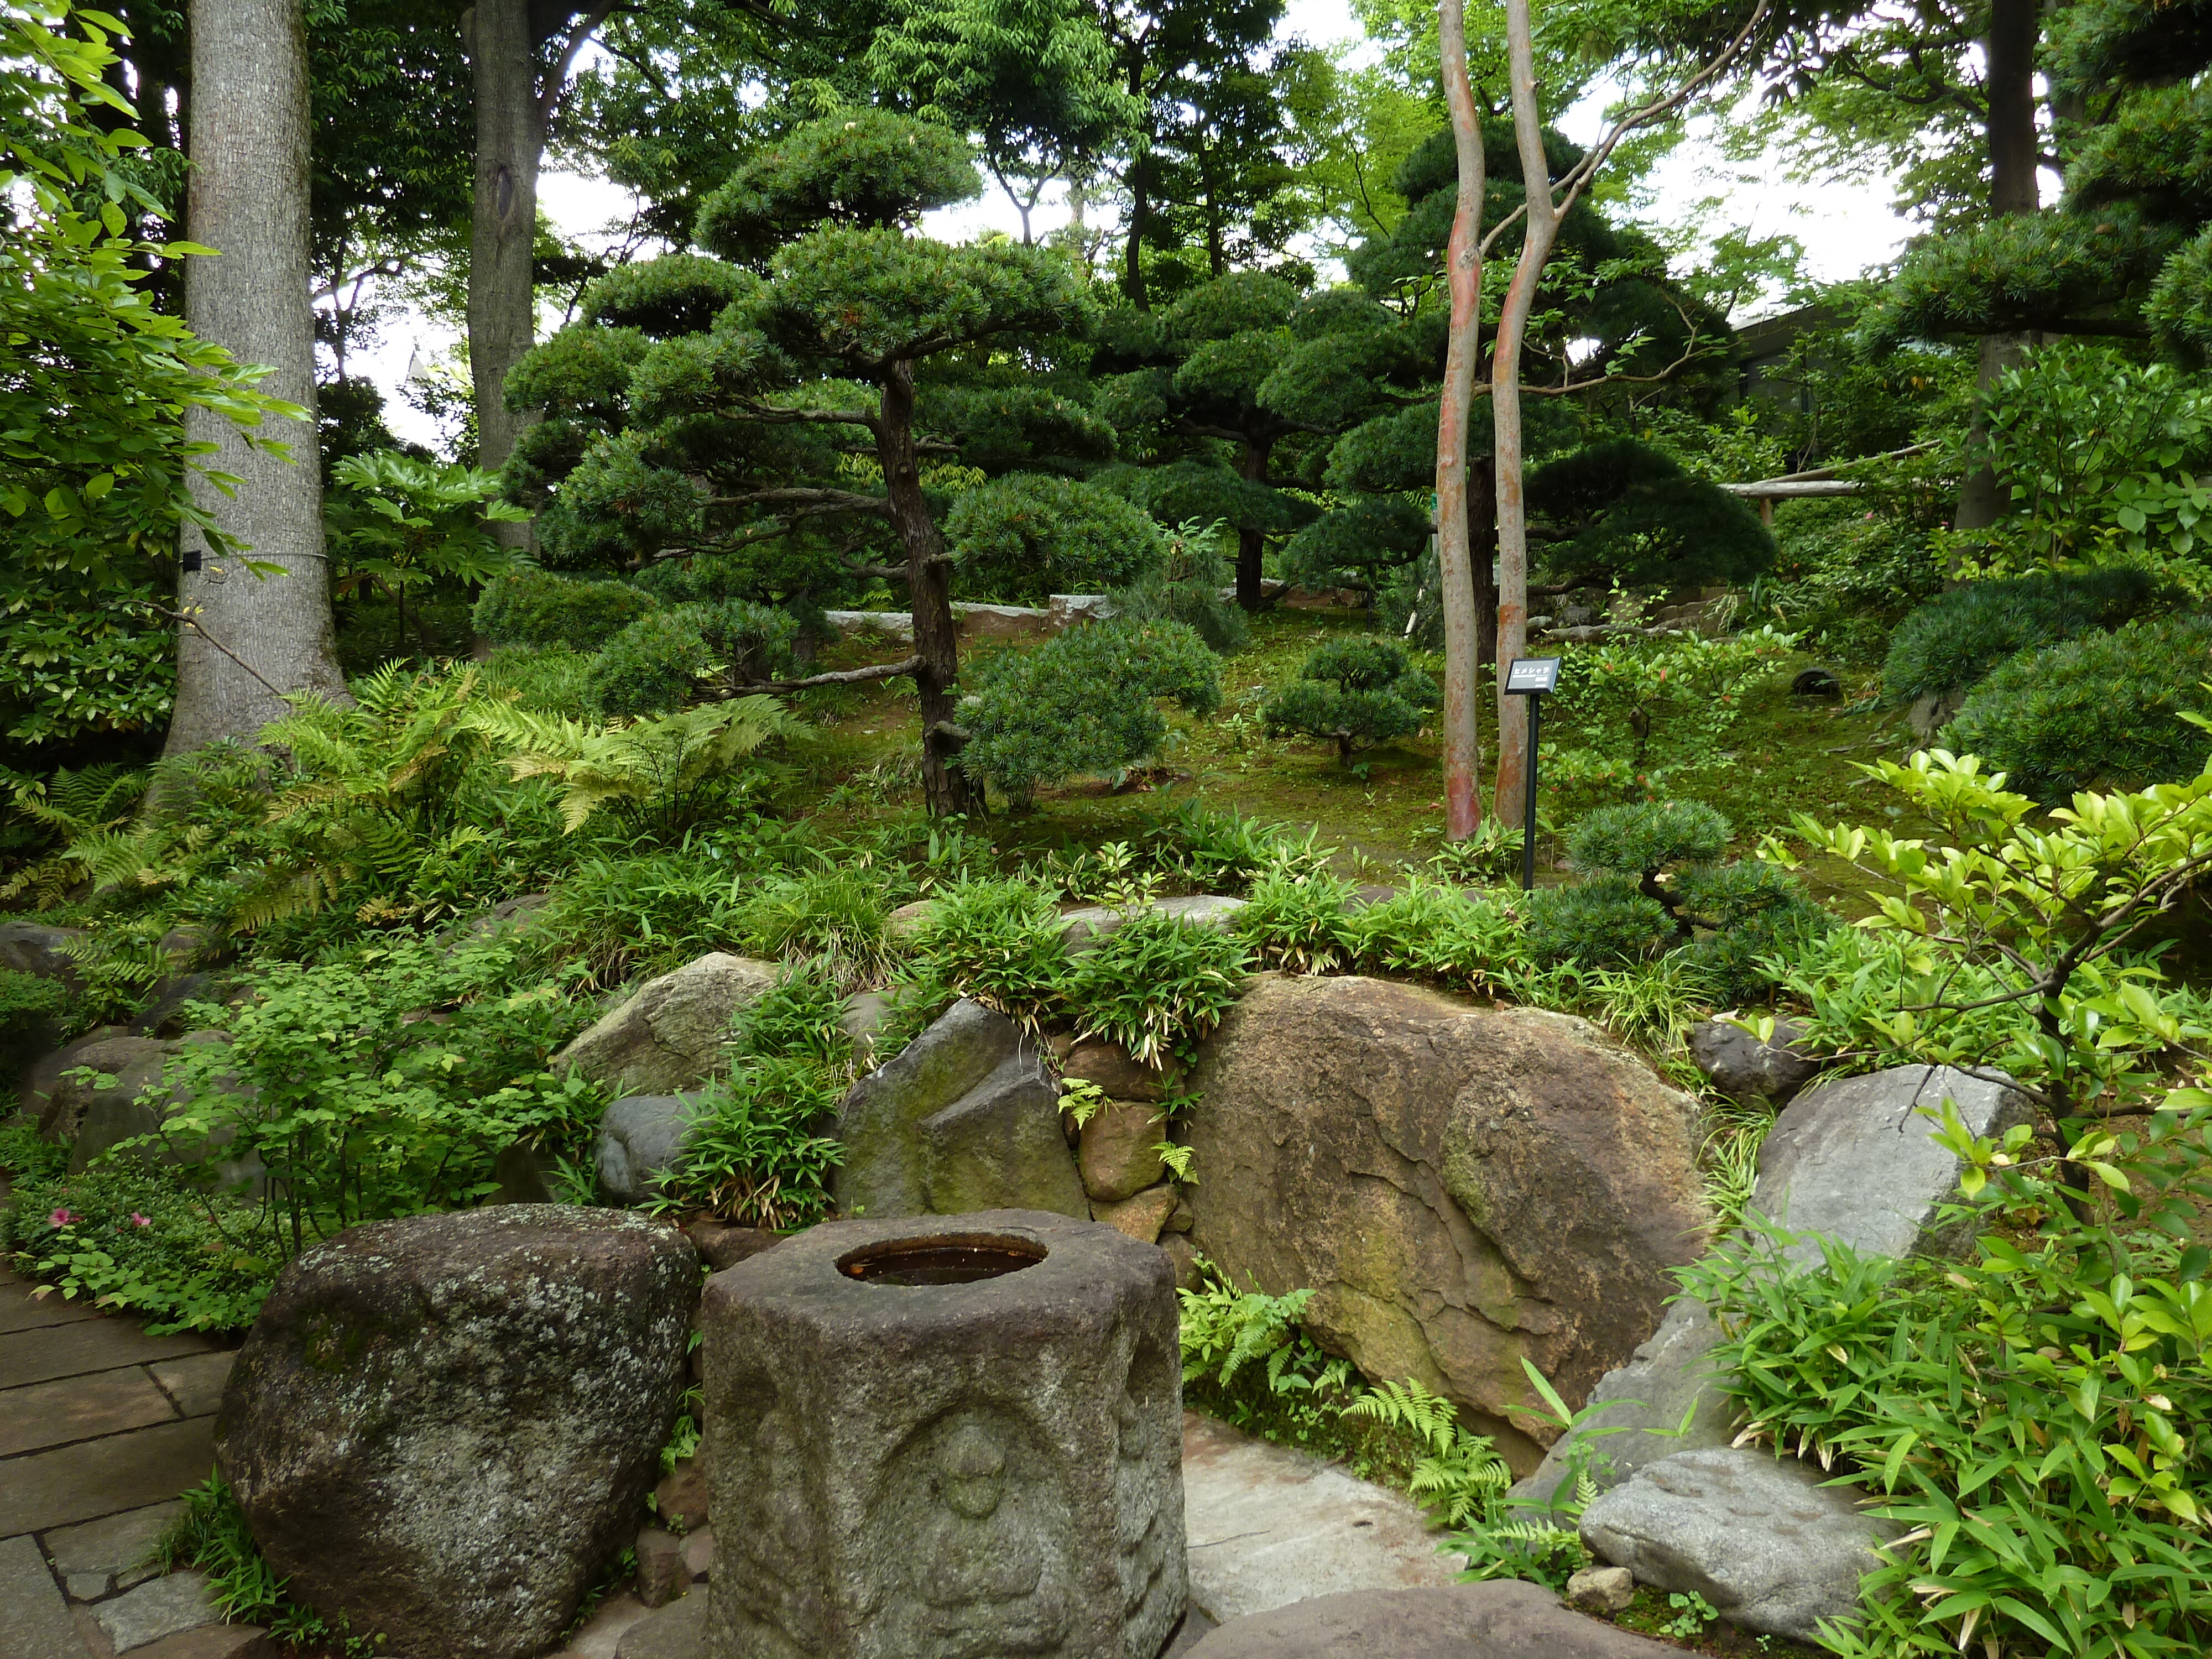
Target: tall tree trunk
(248,639)
(1482,553)
(2014,158)
(1456,552)
(510,138)
(929,588)
(1252,545)
(1539,232)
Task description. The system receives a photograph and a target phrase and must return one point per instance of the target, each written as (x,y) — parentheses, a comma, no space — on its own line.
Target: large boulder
(1461,1189)
(1852,1160)
(1501,1618)
(1858,1161)
(1773,1546)
(1119,1152)
(671,1034)
(442,1427)
(639,1138)
(62,1102)
(966,1118)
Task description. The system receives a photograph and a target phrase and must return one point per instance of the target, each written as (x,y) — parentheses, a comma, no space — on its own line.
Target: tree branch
(888,671)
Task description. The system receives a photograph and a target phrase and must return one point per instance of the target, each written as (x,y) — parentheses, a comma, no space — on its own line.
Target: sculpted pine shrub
(1355,694)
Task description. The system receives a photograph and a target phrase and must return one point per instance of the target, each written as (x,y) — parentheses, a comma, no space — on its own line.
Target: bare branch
(887,671)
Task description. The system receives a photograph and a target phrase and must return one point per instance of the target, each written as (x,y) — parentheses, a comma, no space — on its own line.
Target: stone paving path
(101,1427)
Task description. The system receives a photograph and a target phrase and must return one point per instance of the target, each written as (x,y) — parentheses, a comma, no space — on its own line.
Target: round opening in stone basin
(945,1258)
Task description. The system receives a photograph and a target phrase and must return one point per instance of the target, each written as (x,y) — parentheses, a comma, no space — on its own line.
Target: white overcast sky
(1845,226)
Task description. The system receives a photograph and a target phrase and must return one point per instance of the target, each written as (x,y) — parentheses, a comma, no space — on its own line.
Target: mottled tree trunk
(929,588)
(1541,229)
(2014,158)
(248,639)
(510,138)
(1456,552)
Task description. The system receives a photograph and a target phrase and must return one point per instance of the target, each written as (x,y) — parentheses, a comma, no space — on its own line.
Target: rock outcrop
(1772,1547)
(442,1427)
(1502,1619)
(670,1035)
(1748,1069)
(966,1118)
(639,1138)
(1460,1188)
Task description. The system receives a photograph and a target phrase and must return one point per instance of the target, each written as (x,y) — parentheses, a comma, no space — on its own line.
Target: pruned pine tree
(775,408)
(256,627)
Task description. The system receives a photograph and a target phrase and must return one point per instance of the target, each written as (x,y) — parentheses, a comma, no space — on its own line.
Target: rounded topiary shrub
(1354,693)
(538,608)
(1954,639)
(2102,711)
(1029,535)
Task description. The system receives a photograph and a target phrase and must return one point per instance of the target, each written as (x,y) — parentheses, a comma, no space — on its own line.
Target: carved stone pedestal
(945,1438)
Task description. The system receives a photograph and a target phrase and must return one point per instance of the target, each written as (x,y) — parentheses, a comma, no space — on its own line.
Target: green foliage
(654,666)
(1635,516)
(29,1001)
(1355,693)
(661,770)
(1221,852)
(862,167)
(800,1016)
(136,1237)
(2020,273)
(357,1106)
(396,522)
(999,942)
(1302,922)
(2103,711)
(1187,588)
(615,915)
(748,1154)
(538,608)
(1156,985)
(1654,882)
(2012,934)
(1955,639)
(1024,536)
(837,914)
(546,680)
(1843,578)
(1468,941)
(2058,1514)
(1086,701)
(1461,1479)
(1644,713)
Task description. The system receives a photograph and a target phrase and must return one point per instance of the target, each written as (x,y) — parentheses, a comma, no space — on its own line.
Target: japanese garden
(956,829)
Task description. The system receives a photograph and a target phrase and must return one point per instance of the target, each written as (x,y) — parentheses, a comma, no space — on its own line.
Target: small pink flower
(60,1218)
(137,1220)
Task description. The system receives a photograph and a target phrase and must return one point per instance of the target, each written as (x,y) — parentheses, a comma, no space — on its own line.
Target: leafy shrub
(550,680)
(1087,700)
(1465,939)
(749,1154)
(538,608)
(2102,711)
(999,942)
(616,916)
(1187,588)
(136,1237)
(29,1000)
(1223,851)
(800,1016)
(1631,716)
(661,770)
(1158,986)
(1844,577)
(360,1108)
(1027,535)
(1302,922)
(1956,638)
(662,660)
(1355,693)
(1654,882)
(838,914)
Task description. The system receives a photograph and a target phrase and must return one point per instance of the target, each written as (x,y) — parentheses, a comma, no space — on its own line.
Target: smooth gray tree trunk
(248,639)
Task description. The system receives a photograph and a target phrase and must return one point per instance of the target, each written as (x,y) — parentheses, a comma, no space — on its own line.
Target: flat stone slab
(1502,1619)
(195,1382)
(213,1642)
(97,1344)
(101,1477)
(97,1557)
(1267,1526)
(677,1631)
(602,1633)
(19,1310)
(78,1408)
(162,1606)
(34,1621)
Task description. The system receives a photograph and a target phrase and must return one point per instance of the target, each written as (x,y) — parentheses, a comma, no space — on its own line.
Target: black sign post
(1531,677)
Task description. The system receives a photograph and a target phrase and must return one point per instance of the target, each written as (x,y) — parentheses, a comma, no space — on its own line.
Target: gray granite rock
(954,1453)
(865,1015)
(1748,1069)
(1856,1161)
(677,1631)
(159,1608)
(639,1138)
(442,1427)
(967,1117)
(671,1034)
(1087,927)
(1602,1589)
(661,1572)
(33,947)
(1772,1547)
(1502,1619)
